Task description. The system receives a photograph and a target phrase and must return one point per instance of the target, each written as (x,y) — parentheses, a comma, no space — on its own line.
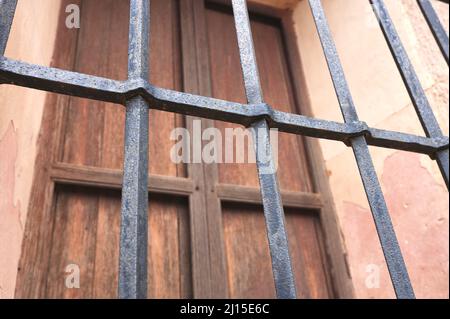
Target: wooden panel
(252,195)
(248,256)
(69,174)
(95,130)
(167,223)
(105,277)
(208,260)
(86,234)
(227,83)
(73,242)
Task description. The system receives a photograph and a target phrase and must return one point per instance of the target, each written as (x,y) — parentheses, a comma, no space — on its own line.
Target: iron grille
(138,95)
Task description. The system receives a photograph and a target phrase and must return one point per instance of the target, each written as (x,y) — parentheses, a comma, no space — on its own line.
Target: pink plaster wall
(32,40)
(414,190)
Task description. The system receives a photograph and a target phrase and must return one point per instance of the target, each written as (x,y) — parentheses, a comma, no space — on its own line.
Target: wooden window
(206,227)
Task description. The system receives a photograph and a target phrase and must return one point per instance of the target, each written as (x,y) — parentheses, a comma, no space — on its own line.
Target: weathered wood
(112,178)
(82,146)
(238,182)
(73,244)
(252,195)
(105,276)
(246,247)
(201,263)
(219,283)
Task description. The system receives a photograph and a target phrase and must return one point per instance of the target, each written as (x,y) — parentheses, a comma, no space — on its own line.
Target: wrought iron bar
(273,207)
(7,10)
(134,215)
(435,25)
(389,244)
(102,89)
(415,90)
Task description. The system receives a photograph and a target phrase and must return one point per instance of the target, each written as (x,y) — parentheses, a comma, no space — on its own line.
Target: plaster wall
(414,190)
(32,40)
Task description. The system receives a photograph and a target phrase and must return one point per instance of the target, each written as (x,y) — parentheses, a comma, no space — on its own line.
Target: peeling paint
(419,207)
(420,218)
(412,184)
(32,39)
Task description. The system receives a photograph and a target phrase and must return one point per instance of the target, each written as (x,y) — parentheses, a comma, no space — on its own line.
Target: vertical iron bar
(435,25)
(273,207)
(415,90)
(383,223)
(7,10)
(134,216)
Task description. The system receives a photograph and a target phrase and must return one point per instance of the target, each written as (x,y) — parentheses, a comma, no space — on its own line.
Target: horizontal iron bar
(98,88)
(61,81)
(436,26)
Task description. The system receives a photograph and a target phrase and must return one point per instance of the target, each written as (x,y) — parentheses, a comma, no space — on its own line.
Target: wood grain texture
(227,83)
(106,261)
(70,174)
(248,256)
(86,142)
(252,195)
(209,268)
(97,127)
(73,243)
(87,235)
(94,134)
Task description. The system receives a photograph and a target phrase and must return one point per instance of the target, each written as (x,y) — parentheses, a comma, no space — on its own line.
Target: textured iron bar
(86,86)
(273,207)
(435,25)
(415,90)
(134,215)
(97,88)
(7,10)
(391,249)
